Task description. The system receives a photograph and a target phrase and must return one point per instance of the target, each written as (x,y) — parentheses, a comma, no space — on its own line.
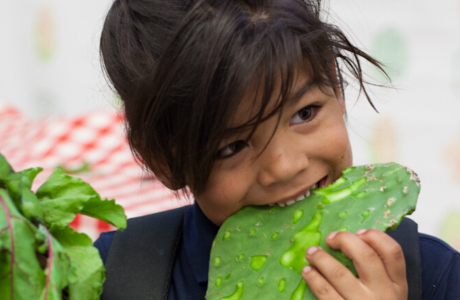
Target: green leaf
(105,210)
(63,196)
(57,268)
(21,276)
(18,182)
(87,270)
(61,211)
(5,168)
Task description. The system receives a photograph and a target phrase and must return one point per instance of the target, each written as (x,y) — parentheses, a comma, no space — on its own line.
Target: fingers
(319,285)
(390,253)
(377,257)
(329,278)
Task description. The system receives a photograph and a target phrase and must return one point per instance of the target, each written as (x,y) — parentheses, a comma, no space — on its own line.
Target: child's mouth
(320,184)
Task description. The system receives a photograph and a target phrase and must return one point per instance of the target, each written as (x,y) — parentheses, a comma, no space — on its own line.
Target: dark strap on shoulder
(141,259)
(406,234)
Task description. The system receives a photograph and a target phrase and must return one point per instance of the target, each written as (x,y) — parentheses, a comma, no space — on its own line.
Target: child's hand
(378,259)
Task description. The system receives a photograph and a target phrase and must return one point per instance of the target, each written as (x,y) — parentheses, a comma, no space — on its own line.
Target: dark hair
(182,68)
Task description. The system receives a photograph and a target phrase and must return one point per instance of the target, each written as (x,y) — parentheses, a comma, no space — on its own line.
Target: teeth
(307,194)
(281,204)
(300,198)
(290,202)
(313,187)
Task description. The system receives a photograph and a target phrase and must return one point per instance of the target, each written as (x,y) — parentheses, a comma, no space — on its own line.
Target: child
(242,102)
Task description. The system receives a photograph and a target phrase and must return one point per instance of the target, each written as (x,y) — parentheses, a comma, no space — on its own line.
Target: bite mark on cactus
(386,214)
(306,237)
(405,190)
(383,188)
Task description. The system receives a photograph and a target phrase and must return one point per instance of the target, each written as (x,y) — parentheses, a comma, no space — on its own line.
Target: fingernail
(361,231)
(332,235)
(306,269)
(312,250)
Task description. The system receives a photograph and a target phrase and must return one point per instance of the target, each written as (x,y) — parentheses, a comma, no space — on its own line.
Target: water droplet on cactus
(228,276)
(344,228)
(257,262)
(218,281)
(260,281)
(359,195)
(306,237)
(298,214)
(330,194)
(217,261)
(253,231)
(227,235)
(348,170)
(320,206)
(365,214)
(275,235)
(240,257)
(282,285)
(237,294)
(343,214)
(299,291)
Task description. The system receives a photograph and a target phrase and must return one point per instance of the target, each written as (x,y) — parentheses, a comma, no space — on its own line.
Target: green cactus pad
(259,252)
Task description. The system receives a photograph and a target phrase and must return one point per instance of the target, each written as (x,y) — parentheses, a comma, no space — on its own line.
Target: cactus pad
(259,252)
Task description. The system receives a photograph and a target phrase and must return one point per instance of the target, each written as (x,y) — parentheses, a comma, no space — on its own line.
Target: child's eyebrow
(306,88)
(292,99)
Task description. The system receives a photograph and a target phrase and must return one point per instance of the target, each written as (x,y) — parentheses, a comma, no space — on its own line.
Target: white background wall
(49,65)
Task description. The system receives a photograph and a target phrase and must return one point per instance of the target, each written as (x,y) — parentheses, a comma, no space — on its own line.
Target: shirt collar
(199,234)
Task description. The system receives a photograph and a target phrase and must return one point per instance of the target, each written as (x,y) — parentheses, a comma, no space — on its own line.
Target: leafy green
(41,257)
(63,196)
(19,267)
(87,270)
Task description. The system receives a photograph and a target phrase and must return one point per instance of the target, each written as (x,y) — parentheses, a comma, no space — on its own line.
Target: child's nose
(281,162)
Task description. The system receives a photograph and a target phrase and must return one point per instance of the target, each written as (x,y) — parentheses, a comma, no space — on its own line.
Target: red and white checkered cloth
(96,138)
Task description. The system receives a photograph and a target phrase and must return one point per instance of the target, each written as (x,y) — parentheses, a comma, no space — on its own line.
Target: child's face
(310,147)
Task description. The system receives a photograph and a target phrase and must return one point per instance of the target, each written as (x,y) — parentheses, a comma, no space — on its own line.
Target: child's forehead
(251,103)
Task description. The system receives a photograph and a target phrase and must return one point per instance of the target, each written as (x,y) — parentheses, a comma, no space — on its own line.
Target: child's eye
(306,114)
(231,149)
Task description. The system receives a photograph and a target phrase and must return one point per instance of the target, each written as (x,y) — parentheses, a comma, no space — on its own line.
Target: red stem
(49,263)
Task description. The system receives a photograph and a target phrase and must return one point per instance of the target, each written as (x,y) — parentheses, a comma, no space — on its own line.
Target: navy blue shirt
(440,262)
